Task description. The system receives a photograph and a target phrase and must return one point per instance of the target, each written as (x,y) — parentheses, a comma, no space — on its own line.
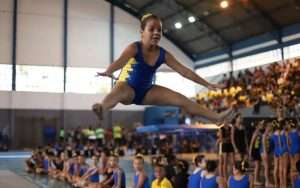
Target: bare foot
(97,109)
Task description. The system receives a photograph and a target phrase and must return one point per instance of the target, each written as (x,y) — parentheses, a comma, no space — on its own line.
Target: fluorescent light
(224,4)
(191,19)
(178,25)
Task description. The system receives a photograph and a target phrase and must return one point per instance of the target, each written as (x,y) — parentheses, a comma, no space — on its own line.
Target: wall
(40,43)
(28,125)
(39,47)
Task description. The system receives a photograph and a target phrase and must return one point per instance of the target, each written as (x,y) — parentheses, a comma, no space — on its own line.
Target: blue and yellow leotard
(242,183)
(139,75)
(295,142)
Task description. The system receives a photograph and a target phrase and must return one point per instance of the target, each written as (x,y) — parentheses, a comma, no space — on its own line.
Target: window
(257,60)
(292,51)
(5,77)
(176,82)
(214,70)
(39,78)
(84,80)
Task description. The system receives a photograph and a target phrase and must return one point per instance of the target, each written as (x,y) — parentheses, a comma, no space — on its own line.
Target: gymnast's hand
(106,74)
(215,86)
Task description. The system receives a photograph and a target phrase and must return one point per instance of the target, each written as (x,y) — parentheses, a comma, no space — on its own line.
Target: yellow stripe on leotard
(127,69)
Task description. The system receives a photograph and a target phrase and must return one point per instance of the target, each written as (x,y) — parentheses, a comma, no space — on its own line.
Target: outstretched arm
(188,73)
(128,53)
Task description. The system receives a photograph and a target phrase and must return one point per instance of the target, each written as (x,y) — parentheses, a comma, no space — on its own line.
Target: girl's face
(159,172)
(261,125)
(138,165)
(268,128)
(62,156)
(113,162)
(103,154)
(95,160)
(235,171)
(152,32)
(203,164)
(81,159)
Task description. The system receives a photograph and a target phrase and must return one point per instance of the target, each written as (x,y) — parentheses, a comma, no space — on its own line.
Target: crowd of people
(101,169)
(274,145)
(129,141)
(277,83)
(90,157)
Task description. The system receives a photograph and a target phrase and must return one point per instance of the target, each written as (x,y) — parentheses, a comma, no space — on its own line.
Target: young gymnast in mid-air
(139,62)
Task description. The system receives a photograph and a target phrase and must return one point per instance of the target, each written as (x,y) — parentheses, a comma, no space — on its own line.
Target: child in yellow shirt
(160,178)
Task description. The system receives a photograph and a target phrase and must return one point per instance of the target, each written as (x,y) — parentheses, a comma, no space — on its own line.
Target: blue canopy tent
(175,128)
(203,133)
(157,128)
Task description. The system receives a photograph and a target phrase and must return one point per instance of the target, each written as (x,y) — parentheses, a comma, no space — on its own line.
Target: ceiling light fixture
(178,25)
(224,4)
(191,19)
